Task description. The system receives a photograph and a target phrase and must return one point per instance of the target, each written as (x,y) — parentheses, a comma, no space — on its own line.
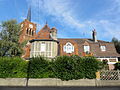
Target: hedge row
(13,67)
(62,67)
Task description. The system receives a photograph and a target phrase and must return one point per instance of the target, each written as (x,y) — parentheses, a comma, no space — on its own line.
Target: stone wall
(13,81)
(56,82)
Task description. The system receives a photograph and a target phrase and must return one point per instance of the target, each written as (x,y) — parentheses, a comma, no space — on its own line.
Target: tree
(117,44)
(9,39)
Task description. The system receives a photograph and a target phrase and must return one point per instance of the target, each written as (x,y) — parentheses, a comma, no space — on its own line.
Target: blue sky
(72,18)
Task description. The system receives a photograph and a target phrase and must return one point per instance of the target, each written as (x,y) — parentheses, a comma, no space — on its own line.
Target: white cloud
(111,29)
(108,26)
(60,10)
(105,28)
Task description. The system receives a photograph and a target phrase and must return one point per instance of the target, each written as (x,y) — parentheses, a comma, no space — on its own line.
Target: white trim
(51,48)
(68,49)
(86,48)
(108,60)
(34,48)
(103,48)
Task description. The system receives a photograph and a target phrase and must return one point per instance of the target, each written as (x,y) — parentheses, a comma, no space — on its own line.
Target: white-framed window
(30,26)
(86,48)
(43,47)
(103,48)
(68,48)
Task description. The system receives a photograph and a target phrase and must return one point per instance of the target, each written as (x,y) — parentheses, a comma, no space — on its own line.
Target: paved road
(59,88)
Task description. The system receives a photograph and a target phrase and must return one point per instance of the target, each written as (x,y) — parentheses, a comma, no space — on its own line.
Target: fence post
(98,75)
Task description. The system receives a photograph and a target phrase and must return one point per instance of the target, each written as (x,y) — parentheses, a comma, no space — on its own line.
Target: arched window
(27,31)
(32,33)
(68,48)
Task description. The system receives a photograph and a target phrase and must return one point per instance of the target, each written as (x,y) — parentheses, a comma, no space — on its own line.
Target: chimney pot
(94,35)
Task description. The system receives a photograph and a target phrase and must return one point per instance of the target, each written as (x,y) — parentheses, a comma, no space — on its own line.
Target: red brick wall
(63,42)
(24,36)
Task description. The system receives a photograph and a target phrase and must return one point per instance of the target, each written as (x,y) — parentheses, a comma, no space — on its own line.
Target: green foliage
(9,37)
(39,68)
(90,66)
(117,66)
(13,67)
(117,44)
(62,67)
(75,67)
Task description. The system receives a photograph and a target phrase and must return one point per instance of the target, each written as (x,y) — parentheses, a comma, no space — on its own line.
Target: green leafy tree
(9,39)
(117,44)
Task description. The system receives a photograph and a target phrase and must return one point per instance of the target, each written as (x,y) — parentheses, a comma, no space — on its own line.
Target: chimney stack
(94,34)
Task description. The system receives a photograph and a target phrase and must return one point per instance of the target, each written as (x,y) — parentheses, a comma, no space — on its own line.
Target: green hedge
(13,67)
(39,67)
(62,67)
(75,67)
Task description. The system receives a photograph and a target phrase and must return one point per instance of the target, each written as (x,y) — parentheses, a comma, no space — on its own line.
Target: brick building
(45,43)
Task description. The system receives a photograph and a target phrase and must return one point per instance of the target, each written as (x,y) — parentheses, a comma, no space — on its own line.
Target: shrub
(90,66)
(12,67)
(117,66)
(62,67)
(39,68)
(75,67)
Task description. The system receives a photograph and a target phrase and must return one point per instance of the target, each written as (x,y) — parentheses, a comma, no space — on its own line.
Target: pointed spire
(46,22)
(29,14)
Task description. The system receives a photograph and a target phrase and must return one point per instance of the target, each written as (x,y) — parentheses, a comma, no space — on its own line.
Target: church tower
(27,32)
(28,28)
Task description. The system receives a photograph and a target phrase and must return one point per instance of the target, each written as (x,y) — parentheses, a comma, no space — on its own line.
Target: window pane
(86,48)
(68,48)
(103,48)
(43,47)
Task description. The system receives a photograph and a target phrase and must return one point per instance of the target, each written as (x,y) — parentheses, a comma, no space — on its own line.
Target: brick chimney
(94,34)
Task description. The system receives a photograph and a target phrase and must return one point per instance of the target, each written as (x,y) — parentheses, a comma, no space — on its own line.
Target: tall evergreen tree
(9,39)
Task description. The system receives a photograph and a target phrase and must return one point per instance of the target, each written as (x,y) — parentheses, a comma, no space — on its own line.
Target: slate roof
(94,47)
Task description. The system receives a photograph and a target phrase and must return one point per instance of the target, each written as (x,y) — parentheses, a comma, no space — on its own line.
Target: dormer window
(103,48)
(86,48)
(68,48)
